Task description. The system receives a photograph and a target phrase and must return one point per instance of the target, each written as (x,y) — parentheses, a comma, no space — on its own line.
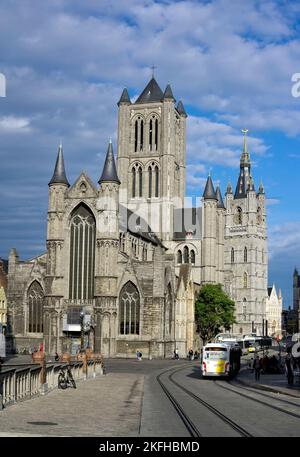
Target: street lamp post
(81,331)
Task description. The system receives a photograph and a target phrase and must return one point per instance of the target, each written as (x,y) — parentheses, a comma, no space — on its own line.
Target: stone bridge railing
(18,383)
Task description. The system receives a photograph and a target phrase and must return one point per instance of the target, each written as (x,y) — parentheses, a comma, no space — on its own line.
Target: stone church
(125,258)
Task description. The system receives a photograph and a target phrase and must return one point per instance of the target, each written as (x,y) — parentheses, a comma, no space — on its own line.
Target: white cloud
(12,123)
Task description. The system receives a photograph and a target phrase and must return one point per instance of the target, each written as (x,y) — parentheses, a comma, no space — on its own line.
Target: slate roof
(209,191)
(151,93)
(59,175)
(137,226)
(109,172)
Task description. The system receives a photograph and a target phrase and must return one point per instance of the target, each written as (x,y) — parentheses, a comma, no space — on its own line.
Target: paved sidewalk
(271,382)
(108,405)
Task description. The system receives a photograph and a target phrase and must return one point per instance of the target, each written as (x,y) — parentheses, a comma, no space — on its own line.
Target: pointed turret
(59,175)
(245,182)
(180,109)
(229,188)
(168,94)
(261,189)
(109,173)
(151,93)
(125,99)
(219,198)
(251,184)
(209,191)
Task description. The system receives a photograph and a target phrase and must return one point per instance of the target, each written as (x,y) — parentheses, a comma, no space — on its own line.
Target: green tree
(214,310)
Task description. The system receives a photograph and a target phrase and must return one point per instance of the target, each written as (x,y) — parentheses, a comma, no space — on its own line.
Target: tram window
(212,348)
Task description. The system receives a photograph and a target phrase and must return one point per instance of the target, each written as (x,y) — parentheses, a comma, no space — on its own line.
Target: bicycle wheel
(62,383)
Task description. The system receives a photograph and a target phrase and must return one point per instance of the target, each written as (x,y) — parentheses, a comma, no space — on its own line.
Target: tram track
(189,424)
(277,408)
(192,428)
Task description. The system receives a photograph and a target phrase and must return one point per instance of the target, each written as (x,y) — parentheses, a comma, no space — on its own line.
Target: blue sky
(231,62)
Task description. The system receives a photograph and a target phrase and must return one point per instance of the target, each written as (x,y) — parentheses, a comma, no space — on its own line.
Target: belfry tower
(246,255)
(151,156)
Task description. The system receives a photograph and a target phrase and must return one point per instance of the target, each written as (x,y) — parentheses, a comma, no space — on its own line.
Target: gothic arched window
(259,215)
(140,181)
(35,298)
(150,182)
(192,256)
(245,255)
(239,216)
(129,310)
(185,254)
(153,133)
(156,180)
(137,180)
(141,135)
(82,254)
(179,256)
(153,180)
(232,255)
(245,280)
(138,134)
(156,134)
(133,182)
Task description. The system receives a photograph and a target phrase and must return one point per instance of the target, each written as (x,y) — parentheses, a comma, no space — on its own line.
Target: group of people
(271,365)
(35,349)
(191,355)
(266,365)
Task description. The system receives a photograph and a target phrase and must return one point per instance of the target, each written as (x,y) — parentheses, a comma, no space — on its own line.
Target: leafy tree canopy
(214,311)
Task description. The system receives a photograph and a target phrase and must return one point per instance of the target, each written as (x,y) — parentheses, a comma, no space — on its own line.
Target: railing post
(39,357)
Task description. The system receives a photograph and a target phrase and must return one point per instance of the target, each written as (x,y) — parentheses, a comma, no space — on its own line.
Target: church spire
(124,98)
(59,175)
(209,191)
(219,198)
(168,94)
(109,172)
(245,181)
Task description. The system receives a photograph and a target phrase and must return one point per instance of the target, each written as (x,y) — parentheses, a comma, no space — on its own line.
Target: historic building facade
(274,312)
(3,299)
(246,250)
(125,258)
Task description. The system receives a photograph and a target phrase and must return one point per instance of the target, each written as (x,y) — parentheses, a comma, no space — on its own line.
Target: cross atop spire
(153,67)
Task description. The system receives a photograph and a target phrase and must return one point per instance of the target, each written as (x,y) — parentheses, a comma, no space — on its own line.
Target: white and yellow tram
(220,359)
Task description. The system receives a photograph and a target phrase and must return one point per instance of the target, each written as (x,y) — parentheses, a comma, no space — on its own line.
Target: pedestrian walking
(56,358)
(289,370)
(176,353)
(257,367)
(191,354)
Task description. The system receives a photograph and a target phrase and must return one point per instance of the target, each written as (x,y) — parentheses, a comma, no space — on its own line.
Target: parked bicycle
(65,378)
